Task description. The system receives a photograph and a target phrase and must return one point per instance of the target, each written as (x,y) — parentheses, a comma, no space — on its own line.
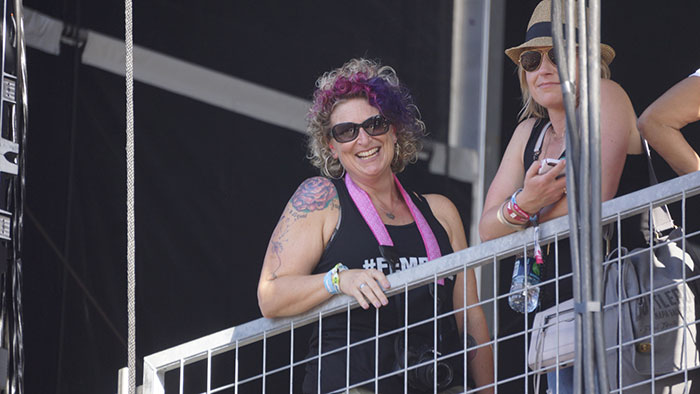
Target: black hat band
(543,29)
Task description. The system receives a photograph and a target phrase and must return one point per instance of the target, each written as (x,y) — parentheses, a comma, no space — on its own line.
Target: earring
(397,151)
(328,173)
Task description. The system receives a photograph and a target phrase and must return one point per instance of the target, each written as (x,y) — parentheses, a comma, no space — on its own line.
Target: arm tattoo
(314,194)
(279,236)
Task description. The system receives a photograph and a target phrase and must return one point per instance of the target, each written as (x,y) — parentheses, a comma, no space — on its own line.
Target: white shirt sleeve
(696,74)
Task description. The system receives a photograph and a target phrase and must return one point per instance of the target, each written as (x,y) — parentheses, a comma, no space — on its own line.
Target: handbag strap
(661,216)
(537,149)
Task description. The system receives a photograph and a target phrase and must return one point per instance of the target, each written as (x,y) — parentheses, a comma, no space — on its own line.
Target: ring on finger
(363,285)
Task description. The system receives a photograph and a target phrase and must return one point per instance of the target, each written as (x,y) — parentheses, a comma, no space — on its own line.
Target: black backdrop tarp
(211,183)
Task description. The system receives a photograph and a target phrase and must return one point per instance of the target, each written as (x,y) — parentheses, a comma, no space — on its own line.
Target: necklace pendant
(390,215)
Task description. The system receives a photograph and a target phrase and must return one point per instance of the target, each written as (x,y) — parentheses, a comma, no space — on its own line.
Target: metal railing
(257,356)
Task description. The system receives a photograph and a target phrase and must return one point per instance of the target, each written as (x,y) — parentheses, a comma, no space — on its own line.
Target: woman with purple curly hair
(343,232)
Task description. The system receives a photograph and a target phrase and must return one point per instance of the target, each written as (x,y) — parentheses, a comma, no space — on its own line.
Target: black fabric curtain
(211,184)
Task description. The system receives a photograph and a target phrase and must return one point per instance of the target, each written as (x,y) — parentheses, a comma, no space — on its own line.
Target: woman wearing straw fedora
(530,183)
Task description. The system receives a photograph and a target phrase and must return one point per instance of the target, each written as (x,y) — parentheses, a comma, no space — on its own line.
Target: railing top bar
(194,350)
(663,193)
(627,205)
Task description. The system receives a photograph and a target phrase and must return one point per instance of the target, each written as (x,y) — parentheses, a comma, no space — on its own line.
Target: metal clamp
(584,307)
(7,146)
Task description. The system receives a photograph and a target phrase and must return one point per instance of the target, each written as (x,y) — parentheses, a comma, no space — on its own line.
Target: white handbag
(544,343)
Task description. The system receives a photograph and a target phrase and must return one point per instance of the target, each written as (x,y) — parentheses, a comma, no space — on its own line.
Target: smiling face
(366,158)
(543,83)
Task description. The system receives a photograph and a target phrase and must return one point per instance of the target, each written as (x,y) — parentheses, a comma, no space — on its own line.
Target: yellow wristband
(335,276)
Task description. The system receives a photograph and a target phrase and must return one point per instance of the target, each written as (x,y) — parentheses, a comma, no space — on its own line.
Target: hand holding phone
(547,164)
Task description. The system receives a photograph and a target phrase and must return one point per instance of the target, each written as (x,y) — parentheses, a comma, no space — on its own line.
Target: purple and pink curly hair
(382,89)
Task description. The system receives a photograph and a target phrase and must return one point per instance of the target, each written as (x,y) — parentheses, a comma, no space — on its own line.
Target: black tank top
(354,245)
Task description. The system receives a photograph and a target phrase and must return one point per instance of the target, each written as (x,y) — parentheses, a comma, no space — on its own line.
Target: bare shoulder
(518,141)
(611,92)
(444,210)
(523,129)
(447,214)
(616,111)
(511,171)
(440,204)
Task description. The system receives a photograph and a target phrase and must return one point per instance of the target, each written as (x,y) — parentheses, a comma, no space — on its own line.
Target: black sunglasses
(348,131)
(531,60)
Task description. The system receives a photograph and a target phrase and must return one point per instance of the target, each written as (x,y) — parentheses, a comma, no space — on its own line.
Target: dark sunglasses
(531,60)
(348,131)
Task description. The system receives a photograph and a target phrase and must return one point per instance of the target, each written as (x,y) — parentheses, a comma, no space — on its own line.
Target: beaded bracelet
(332,279)
(516,207)
(514,214)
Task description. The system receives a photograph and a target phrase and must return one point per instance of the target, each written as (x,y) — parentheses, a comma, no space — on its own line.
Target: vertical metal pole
(17,343)
(464,323)
(435,332)
(123,381)
(652,304)
(181,386)
(347,350)
(468,93)
(209,368)
(596,194)
(585,193)
(153,380)
(567,76)
(320,342)
(376,349)
(291,357)
(496,322)
(235,372)
(405,338)
(686,334)
(264,363)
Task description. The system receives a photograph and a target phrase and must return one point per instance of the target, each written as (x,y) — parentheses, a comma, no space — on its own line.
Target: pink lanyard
(369,213)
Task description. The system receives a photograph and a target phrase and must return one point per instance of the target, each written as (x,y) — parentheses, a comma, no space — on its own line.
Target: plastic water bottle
(525,296)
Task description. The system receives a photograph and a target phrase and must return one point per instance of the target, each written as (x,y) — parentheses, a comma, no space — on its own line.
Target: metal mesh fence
(650,322)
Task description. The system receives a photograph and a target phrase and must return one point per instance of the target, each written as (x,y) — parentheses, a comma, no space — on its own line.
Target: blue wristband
(327,282)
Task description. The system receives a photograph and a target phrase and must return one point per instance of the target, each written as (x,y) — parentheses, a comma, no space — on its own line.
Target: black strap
(661,216)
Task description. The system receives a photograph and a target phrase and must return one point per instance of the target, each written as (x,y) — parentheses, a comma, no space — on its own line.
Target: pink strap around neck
(369,213)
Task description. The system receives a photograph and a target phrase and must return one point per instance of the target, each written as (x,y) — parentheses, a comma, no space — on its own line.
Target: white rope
(130,216)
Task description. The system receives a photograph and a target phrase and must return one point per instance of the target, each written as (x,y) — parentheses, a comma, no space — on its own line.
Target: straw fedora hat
(539,34)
